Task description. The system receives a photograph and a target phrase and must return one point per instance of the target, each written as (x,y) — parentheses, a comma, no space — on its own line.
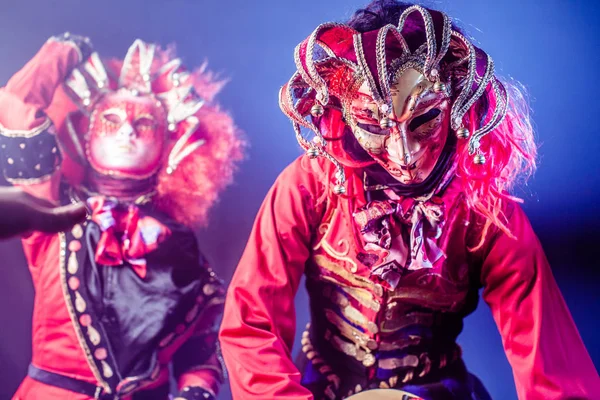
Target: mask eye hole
(423,119)
(145,122)
(374,129)
(112,118)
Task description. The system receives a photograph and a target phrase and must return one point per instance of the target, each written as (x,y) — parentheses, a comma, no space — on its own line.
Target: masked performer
(124,295)
(397,215)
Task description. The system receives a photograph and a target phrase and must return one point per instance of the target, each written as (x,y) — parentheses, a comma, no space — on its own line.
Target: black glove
(82,43)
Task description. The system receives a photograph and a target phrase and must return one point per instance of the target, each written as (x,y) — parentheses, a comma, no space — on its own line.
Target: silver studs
(462,133)
(386,123)
(317,110)
(479,159)
(312,153)
(439,87)
(339,189)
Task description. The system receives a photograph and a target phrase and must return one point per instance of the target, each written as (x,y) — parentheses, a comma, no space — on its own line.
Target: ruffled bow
(425,221)
(127,234)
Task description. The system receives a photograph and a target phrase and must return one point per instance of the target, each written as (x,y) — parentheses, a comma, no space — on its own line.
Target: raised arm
(29,152)
(541,341)
(259,324)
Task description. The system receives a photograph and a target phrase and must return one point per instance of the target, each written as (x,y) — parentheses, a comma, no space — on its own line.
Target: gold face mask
(419,119)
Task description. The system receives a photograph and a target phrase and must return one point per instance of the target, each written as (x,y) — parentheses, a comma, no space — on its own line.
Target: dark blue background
(550,46)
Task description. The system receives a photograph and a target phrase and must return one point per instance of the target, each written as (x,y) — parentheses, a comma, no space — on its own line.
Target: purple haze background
(552,49)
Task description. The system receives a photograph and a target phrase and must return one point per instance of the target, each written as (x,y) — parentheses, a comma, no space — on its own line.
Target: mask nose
(126,131)
(397,144)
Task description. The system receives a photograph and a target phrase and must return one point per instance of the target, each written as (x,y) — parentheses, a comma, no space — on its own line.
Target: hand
(21,213)
(82,43)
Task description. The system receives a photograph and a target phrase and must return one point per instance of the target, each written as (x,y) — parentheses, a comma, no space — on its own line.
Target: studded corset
(394,326)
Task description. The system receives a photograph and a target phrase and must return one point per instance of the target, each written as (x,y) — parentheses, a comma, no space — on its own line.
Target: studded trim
(29,157)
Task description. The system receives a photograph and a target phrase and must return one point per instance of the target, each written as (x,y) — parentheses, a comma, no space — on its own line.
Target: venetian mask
(127,135)
(412,142)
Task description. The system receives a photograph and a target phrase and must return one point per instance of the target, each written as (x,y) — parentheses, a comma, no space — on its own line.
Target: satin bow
(127,235)
(425,220)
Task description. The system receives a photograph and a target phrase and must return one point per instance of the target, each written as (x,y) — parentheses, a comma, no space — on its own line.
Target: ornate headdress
(140,74)
(335,60)
(203,143)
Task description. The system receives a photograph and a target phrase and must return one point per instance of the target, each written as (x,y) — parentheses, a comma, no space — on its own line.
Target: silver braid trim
(429,33)
(499,114)
(455,116)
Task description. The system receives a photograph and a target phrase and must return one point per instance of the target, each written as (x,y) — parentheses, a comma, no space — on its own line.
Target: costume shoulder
(311,174)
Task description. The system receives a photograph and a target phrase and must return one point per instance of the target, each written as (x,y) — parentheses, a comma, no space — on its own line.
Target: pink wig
(511,158)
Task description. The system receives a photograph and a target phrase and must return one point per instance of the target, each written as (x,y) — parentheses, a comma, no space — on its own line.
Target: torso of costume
(110,316)
(390,279)
(109,326)
(384,311)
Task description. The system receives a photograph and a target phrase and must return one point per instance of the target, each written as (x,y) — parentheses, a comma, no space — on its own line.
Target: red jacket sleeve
(259,323)
(30,155)
(29,152)
(541,341)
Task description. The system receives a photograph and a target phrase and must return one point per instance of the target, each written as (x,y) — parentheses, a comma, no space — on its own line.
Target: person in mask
(126,293)
(397,215)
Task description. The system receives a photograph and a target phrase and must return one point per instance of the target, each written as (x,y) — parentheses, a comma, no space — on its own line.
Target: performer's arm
(541,341)
(21,213)
(29,154)
(259,323)
(197,364)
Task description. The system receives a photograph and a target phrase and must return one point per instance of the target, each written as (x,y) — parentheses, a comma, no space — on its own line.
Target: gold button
(209,289)
(372,326)
(77,231)
(369,360)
